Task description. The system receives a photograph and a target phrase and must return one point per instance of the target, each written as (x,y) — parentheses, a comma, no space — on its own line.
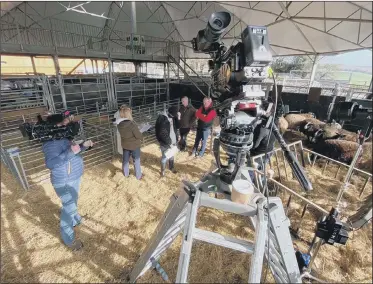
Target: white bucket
(242,190)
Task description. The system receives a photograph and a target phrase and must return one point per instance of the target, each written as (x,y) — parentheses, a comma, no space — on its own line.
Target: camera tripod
(181,215)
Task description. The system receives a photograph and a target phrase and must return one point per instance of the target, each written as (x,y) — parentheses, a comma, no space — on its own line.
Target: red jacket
(205,117)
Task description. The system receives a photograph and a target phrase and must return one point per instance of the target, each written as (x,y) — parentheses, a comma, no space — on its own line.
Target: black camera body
(47,130)
(331,229)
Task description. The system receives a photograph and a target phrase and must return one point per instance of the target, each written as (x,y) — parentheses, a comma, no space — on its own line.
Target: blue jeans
(136,161)
(68,193)
(164,158)
(202,134)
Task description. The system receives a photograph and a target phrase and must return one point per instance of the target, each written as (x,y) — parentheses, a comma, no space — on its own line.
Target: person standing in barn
(166,134)
(130,140)
(63,159)
(186,116)
(205,115)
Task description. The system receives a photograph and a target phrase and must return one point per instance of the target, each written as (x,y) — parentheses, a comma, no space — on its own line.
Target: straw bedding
(121,214)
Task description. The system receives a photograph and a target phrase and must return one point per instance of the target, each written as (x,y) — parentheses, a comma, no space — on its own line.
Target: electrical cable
(265,172)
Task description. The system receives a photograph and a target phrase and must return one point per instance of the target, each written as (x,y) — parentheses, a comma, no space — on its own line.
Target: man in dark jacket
(187,116)
(66,166)
(166,133)
(205,115)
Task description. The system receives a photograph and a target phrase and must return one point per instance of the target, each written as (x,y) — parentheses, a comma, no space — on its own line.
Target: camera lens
(218,23)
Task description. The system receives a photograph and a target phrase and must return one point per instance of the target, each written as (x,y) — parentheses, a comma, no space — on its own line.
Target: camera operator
(63,159)
(205,115)
(166,133)
(186,116)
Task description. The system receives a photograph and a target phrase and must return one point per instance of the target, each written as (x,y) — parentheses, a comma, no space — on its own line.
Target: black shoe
(171,164)
(76,245)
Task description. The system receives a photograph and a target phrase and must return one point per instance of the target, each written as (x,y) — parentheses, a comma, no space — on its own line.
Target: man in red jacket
(205,116)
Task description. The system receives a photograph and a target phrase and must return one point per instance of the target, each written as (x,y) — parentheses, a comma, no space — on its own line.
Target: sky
(351,59)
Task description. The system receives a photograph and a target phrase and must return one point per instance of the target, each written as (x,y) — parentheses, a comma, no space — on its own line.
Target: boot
(163,168)
(171,164)
(76,245)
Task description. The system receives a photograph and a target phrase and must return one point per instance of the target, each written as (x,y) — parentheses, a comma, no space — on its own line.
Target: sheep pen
(121,214)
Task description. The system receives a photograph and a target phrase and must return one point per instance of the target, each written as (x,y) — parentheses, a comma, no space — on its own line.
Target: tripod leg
(260,239)
(186,247)
(166,232)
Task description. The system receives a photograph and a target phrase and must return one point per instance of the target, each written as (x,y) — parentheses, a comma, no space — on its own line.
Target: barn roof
(294,28)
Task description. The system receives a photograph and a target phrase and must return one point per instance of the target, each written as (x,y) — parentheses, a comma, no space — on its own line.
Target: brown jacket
(188,116)
(130,135)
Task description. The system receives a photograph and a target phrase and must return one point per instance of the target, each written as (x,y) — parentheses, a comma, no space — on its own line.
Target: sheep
(315,132)
(282,124)
(340,150)
(294,120)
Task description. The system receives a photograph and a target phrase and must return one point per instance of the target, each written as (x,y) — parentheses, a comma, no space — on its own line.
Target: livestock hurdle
(278,162)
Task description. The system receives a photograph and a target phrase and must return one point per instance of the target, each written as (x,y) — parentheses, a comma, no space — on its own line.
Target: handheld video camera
(45,130)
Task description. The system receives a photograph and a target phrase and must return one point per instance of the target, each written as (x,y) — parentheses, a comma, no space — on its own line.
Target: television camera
(49,129)
(238,73)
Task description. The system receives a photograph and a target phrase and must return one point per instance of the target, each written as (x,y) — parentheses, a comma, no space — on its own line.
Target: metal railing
(25,158)
(58,34)
(296,85)
(306,201)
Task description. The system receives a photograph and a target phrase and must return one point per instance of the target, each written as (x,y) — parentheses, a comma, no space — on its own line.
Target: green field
(358,78)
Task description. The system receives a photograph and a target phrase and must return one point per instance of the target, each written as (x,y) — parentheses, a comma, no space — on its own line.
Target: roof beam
(333,19)
(313,28)
(296,26)
(341,21)
(13,8)
(294,49)
(109,25)
(358,33)
(287,6)
(251,9)
(361,7)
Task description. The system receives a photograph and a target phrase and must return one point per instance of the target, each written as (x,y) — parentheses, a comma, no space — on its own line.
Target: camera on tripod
(331,229)
(238,73)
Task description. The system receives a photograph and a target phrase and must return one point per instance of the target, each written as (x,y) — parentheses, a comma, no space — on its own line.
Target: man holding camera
(63,159)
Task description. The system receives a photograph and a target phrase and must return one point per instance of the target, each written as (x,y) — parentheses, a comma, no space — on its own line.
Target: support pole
(313,71)
(60,82)
(134,32)
(168,79)
(133,18)
(33,65)
(370,86)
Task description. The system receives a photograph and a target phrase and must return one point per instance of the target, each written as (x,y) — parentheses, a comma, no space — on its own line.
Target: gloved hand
(88,143)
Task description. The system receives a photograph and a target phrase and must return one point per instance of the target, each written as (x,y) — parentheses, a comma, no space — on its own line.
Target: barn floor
(121,214)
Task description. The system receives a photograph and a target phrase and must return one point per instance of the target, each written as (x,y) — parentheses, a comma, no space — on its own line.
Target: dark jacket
(162,130)
(64,165)
(130,135)
(261,139)
(205,117)
(188,116)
